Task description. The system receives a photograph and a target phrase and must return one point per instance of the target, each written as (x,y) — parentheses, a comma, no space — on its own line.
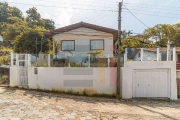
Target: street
(19,104)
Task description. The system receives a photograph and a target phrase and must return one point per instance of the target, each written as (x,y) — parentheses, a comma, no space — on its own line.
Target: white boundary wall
(13,76)
(94,80)
(127,75)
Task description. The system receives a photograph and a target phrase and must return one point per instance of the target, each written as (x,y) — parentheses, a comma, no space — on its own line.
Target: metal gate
(151,83)
(4,76)
(22,65)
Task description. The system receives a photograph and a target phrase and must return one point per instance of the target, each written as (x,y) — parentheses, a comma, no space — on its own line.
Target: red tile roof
(83,24)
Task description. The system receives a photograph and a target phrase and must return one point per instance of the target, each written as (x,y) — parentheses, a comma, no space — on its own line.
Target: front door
(178,58)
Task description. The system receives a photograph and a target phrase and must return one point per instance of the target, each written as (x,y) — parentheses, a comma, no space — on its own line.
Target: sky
(105,12)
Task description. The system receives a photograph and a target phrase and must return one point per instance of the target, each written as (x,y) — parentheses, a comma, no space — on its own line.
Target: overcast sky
(104,12)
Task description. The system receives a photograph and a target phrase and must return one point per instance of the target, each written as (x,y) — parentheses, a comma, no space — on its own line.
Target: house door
(178,58)
(151,83)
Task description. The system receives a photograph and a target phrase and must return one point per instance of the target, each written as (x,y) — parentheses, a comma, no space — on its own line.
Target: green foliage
(13,25)
(136,42)
(26,41)
(94,52)
(7,11)
(5,55)
(162,33)
(57,46)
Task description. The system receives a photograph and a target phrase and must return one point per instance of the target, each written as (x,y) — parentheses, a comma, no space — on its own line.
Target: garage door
(151,83)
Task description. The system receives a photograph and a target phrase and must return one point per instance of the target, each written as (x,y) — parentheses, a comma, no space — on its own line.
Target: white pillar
(89,60)
(53,49)
(168,51)
(49,60)
(158,54)
(69,65)
(17,60)
(142,54)
(125,57)
(29,60)
(12,59)
(174,54)
(108,60)
(149,58)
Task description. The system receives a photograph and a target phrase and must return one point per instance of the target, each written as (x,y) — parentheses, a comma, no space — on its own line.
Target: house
(150,54)
(81,38)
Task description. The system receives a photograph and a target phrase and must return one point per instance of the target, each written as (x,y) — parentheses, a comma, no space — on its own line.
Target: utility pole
(119,82)
(36,51)
(41,44)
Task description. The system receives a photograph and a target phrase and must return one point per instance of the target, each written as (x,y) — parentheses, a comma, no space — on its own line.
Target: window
(68,45)
(97,44)
(139,55)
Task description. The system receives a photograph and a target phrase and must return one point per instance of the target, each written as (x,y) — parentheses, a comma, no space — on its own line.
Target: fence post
(158,54)
(12,59)
(142,54)
(125,57)
(174,54)
(17,60)
(108,60)
(168,51)
(29,60)
(89,60)
(49,60)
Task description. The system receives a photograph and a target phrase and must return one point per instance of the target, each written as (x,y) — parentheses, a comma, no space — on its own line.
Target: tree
(7,11)
(47,24)
(57,47)
(15,12)
(14,27)
(161,33)
(33,17)
(3,11)
(26,41)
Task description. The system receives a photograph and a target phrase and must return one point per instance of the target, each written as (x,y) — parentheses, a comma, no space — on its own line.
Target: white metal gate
(151,83)
(22,65)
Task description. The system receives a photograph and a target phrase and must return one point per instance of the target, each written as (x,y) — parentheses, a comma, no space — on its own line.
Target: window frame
(97,40)
(62,45)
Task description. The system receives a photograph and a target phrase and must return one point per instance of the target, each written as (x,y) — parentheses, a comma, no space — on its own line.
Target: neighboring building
(80,38)
(150,54)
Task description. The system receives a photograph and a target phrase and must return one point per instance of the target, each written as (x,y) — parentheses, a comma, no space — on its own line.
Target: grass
(85,92)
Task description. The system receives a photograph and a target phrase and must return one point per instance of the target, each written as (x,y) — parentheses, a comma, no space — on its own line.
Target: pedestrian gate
(22,65)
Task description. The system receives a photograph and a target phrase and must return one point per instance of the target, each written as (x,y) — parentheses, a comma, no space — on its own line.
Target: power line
(152,15)
(103,17)
(136,17)
(152,11)
(102,2)
(74,4)
(96,16)
(150,5)
(158,8)
(63,7)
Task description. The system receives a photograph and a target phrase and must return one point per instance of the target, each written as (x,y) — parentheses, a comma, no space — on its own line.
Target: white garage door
(151,83)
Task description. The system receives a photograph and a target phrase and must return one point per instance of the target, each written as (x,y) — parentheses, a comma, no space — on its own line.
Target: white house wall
(13,76)
(94,80)
(82,37)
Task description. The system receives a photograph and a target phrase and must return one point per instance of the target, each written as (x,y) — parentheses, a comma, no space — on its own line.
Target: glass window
(97,44)
(68,45)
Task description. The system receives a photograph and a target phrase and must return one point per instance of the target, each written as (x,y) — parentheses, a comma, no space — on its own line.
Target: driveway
(16,104)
